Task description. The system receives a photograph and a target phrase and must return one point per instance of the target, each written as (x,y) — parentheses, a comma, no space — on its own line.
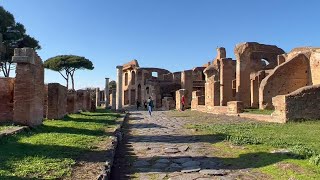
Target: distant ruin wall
(6,99)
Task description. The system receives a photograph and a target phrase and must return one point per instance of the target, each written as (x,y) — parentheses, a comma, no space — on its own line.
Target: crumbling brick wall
(29,88)
(57,101)
(6,99)
(198,98)
(300,104)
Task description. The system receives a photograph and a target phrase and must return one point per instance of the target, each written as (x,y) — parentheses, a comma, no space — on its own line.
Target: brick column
(119,88)
(29,88)
(106,94)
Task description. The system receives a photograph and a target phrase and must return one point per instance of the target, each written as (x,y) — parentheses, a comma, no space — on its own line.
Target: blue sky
(170,34)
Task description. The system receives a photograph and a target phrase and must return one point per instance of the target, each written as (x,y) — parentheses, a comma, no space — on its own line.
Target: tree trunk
(72,79)
(67,79)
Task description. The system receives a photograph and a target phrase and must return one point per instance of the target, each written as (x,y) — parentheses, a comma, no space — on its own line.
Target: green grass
(50,150)
(4,126)
(249,145)
(259,111)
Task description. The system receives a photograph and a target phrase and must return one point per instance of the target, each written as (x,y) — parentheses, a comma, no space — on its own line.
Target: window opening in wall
(154,74)
(147,90)
(133,78)
(265,62)
(126,79)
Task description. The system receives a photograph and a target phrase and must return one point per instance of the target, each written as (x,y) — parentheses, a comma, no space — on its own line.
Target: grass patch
(50,150)
(259,111)
(4,126)
(257,140)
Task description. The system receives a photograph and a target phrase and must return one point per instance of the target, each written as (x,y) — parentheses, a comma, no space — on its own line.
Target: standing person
(183,102)
(150,105)
(138,105)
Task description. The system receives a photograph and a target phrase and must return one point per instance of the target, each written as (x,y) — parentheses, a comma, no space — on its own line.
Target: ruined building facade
(262,76)
(137,83)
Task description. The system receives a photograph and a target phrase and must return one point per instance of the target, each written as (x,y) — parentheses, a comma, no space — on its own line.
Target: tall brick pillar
(106,94)
(119,88)
(29,88)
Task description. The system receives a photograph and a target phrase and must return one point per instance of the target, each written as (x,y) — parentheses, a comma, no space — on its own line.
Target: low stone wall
(235,107)
(57,101)
(6,99)
(168,103)
(213,110)
(300,104)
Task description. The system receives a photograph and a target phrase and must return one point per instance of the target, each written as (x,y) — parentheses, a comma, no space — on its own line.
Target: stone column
(97,97)
(114,98)
(106,94)
(119,88)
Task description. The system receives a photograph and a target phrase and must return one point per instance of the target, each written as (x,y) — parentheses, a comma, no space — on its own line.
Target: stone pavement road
(159,147)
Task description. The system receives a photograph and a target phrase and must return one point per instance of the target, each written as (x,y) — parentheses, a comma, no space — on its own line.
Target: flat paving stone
(183,148)
(213,172)
(171,150)
(191,169)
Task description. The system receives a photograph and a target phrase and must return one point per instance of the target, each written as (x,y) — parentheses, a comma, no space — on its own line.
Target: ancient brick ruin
(26,100)
(262,76)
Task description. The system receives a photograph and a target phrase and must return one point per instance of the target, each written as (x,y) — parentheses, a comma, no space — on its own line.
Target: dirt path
(159,147)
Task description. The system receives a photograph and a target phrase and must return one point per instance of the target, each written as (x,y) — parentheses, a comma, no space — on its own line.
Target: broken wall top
(26,55)
(257,47)
(132,64)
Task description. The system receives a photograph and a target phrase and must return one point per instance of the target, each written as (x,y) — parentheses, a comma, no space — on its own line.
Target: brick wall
(300,104)
(6,99)
(57,101)
(71,102)
(29,88)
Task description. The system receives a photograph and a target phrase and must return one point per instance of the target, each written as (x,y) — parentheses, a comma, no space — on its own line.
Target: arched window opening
(133,78)
(126,79)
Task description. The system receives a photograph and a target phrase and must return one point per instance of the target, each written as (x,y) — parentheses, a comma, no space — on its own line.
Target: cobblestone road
(159,147)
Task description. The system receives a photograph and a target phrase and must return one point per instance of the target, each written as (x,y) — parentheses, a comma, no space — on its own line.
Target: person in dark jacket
(150,105)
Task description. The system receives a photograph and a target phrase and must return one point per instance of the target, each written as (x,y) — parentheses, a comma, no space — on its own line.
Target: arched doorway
(139,93)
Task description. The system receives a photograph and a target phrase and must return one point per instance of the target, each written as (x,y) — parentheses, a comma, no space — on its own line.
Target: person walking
(183,102)
(150,105)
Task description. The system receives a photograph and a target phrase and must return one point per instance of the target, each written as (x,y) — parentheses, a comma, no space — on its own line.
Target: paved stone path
(159,147)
